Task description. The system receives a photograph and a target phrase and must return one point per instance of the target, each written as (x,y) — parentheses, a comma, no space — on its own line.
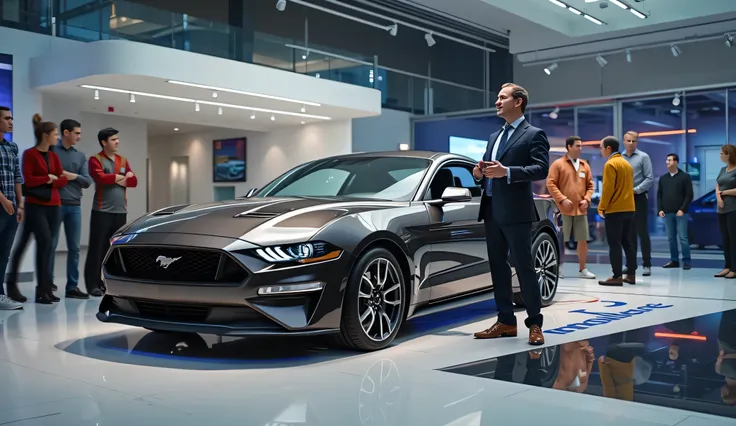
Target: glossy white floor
(60,366)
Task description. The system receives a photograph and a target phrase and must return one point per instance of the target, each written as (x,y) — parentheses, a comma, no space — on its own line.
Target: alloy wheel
(545,265)
(379,299)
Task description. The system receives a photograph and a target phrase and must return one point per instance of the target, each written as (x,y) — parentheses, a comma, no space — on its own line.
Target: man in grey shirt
(643,180)
(75,167)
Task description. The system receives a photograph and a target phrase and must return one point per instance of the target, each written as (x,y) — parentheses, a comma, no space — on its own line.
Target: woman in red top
(43,176)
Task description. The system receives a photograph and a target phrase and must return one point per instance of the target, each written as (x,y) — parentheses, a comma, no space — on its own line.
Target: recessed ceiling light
(302,122)
(176,129)
(253,117)
(203,102)
(241,92)
(273,118)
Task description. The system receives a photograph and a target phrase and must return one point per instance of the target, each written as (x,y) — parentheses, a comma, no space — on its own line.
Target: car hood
(249,219)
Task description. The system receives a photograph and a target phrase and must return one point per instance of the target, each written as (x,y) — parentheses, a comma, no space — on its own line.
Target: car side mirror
(456,195)
(251,192)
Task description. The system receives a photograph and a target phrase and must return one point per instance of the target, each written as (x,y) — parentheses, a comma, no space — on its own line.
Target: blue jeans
(8,228)
(71,218)
(677,231)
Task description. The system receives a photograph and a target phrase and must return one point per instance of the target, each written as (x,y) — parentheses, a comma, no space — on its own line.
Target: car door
(459,258)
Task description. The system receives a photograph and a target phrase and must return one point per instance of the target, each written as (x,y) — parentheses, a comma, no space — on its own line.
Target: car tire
(356,318)
(540,246)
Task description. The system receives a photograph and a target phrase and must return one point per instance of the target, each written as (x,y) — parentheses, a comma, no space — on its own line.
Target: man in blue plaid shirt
(11,201)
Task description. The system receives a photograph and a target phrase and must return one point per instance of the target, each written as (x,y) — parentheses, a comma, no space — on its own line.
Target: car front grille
(172,312)
(175,265)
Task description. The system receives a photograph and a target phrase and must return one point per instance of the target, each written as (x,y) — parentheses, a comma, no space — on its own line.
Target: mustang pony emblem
(165,262)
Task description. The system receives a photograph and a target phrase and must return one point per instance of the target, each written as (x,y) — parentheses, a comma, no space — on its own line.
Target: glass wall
(692,124)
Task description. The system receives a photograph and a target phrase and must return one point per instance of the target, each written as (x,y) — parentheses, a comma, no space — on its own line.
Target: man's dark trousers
(518,238)
(102,228)
(641,228)
(618,236)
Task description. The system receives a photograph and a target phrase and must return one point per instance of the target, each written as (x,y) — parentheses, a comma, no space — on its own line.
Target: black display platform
(688,364)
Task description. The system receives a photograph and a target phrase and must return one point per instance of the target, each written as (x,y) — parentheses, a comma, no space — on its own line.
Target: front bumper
(213,289)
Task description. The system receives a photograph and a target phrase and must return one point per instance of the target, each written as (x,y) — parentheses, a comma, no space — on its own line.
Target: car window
(455,175)
(321,183)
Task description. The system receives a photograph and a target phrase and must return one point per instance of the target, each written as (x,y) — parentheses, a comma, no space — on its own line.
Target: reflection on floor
(60,366)
(687,364)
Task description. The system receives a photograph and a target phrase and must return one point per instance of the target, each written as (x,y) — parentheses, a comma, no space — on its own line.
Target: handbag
(42,192)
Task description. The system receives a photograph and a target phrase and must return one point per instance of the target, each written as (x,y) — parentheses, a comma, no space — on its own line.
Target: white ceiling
(178,112)
(540,24)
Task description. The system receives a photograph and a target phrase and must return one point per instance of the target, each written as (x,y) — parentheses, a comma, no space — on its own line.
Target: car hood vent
(257,215)
(169,210)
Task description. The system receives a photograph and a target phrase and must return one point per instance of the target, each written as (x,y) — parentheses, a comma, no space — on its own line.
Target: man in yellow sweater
(617,207)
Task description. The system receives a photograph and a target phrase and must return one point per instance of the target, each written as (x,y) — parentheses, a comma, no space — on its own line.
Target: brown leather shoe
(536,337)
(497,330)
(617,282)
(630,279)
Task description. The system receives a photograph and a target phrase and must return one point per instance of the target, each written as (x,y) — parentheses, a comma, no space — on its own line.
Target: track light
(281,5)
(253,117)
(132,98)
(619,4)
(628,55)
(638,14)
(241,92)
(729,40)
(214,95)
(430,39)
(676,100)
(304,109)
(551,68)
(273,118)
(97,94)
(219,110)
(676,51)
(393,29)
(554,114)
(601,61)
(196,106)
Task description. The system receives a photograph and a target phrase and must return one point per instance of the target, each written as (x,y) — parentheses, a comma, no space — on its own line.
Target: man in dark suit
(516,155)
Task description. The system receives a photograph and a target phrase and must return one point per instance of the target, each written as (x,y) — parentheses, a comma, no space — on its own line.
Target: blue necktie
(501,146)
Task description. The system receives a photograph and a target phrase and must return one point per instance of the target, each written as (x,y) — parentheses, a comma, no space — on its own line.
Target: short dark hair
(4,108)
(518,92)
(105,134)
(612,142)
(69,125)
(571,141)
(674,156)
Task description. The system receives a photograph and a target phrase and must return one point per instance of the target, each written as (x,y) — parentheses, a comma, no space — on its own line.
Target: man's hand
(566,203)
(494,170)
(602,214)
(584,204)
(661,213)
(70,175)
(20,214)
(7,205)
(477,173)
(680,213)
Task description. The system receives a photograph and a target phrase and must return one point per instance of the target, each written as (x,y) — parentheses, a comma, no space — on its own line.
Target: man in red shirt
(112,176)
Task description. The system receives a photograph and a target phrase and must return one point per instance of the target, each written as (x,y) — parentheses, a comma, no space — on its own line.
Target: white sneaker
(8,304)
(559,274)
(647,271)
(585,273)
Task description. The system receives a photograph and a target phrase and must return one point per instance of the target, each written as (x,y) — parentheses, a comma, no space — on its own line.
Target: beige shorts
(577,226)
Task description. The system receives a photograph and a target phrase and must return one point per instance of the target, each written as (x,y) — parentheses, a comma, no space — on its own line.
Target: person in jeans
(76,171)
(43,177)
(674,196)
(11,203)
(570,182)
(643,180)
(617,207)
(726,196)
(112,176)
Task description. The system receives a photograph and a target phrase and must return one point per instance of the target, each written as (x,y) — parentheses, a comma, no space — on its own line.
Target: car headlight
(301,253)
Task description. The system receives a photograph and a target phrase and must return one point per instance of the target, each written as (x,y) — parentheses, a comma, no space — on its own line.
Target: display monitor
(228,157)
(473,148)
(6,84)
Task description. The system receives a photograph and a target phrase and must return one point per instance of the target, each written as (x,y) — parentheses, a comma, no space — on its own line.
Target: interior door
(459,258)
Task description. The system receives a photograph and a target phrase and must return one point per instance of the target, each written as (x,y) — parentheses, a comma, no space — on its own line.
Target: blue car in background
(232,170)
(703,222)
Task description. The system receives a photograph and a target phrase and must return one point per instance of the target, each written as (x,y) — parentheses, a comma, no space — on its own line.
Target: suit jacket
(526,154)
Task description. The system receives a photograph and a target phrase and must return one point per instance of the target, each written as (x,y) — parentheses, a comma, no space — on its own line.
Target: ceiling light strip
(203,102)
(578,12)
(242,92)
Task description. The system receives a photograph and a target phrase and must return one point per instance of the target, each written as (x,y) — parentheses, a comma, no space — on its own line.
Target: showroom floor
(60,366)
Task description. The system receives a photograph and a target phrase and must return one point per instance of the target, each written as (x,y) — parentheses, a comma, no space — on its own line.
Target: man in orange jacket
(617,207)
(570,182)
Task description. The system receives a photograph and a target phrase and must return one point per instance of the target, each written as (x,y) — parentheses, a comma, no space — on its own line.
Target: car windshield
(382,178)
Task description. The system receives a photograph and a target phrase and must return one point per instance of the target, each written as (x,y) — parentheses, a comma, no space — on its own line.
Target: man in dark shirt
(112,176)
(11,203)
(673,199)
(76,171)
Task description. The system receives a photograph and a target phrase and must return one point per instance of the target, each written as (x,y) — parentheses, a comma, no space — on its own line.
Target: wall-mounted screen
(473,148)
(6,84)
(228,157)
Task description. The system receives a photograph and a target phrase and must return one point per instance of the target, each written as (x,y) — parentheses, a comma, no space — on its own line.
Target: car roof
(429,155)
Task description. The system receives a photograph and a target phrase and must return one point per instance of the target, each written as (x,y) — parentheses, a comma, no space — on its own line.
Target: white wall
(267,156)
(382,133)
(701,64)
(133,146)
